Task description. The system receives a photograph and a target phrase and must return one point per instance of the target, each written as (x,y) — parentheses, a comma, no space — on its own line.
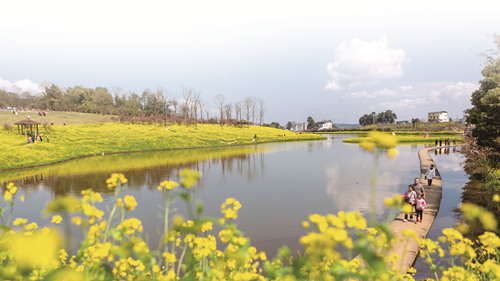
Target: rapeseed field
(72,141)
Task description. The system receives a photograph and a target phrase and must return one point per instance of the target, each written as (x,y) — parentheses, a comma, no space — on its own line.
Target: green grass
(415,138)
(72,141)
(56,117)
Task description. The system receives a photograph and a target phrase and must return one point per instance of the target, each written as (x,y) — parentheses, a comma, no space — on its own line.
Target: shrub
(8,127)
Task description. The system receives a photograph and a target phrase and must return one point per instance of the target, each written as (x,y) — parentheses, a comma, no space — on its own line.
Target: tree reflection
(143,170)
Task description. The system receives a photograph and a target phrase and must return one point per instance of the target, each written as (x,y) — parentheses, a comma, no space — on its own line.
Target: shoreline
(149,150)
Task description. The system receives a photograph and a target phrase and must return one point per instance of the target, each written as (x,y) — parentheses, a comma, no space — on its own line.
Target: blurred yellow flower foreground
(201,248)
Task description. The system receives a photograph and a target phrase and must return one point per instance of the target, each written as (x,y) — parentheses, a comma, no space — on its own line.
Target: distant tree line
(151,106)
(373,118)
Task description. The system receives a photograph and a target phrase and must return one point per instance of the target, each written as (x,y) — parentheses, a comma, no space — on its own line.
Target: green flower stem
(167,208)
(373,189)
(112,214)
(11,209)
(435,272)
(180,260)
(67,231)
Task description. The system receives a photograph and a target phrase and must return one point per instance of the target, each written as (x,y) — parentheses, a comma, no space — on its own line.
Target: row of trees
(160,104)
(373,118)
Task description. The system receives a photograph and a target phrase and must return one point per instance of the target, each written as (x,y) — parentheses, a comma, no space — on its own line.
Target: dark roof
(27,122)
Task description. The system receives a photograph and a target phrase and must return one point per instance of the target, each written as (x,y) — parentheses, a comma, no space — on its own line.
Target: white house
(325,125)
(299,127)
(438,117)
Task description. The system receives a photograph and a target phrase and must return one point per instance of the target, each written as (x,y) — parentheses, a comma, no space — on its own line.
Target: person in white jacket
(410,197)
(430,174)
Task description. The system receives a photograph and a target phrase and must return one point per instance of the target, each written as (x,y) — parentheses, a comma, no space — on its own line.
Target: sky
(333,60)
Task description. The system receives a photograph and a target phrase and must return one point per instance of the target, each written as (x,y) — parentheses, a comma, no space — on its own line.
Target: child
(419,207)
(410,197)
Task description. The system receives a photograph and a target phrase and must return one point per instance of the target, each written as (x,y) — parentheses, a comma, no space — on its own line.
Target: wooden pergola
(22,126)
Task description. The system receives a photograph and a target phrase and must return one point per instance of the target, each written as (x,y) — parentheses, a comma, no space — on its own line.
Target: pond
(278,184)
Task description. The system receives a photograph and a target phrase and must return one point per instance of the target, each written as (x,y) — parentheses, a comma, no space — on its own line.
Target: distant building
(438,117)
(300,127)
(325,125)
(464,118)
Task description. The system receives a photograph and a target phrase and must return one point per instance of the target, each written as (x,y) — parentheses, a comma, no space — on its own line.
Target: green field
(56,117)
(72,141)
(412,137)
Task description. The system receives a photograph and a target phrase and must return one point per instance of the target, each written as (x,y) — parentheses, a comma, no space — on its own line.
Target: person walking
(419,208)
(418,187)
(430,174)
(410,197)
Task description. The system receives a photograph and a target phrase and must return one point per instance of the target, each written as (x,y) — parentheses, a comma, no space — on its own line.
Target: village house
(438,117)
(324,125)
(300,127)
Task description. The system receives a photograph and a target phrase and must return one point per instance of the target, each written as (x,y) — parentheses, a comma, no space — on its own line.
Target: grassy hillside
(56,117)
(78,140)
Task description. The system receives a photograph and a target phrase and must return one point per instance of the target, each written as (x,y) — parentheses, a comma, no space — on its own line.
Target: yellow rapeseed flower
(168,185)
(39,250)
(76,220)
(367,145)
(20,221)
(407,209)
(30,227)
(496,198)
(7,196)
(92,211)
(230,208)
(169,257)
(130,202)
(115,178)
(63,204)
(490,241)
(56,219)
(189,178)
(383,140)
(91,196)
(392,152)
(206,226)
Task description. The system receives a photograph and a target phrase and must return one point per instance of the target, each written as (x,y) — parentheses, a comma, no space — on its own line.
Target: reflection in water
(83,173)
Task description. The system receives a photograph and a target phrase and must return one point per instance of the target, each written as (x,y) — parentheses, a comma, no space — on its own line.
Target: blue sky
(327,59)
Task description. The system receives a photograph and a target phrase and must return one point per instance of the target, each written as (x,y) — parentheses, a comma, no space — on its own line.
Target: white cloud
(406,88)
(459,90)
(360,62)
(401,104)
(20,86)
(365,94)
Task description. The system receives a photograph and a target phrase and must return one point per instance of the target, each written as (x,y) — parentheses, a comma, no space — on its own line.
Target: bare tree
(174,103)
(228,108)
(237,110)
(186,105)
(196,99)
(248,108)
(262,110)
(253,106)
(219,102)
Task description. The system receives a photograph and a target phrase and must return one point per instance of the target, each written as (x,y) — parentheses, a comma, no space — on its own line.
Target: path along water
(406,247)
